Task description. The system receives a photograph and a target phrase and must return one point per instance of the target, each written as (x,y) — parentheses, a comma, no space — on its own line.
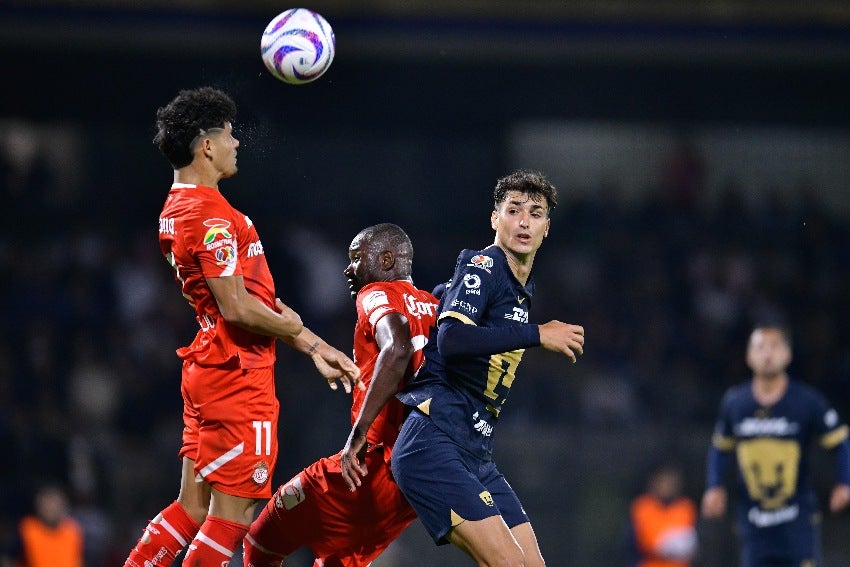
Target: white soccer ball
(298,46)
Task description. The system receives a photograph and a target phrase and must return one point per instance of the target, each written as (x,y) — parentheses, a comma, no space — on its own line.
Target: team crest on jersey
(486,497)
(261,473)
(482,262)
(216,228)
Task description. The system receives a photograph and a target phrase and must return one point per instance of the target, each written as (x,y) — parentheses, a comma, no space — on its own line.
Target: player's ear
(494,219)
(205,145)
(548,224)
(387,259)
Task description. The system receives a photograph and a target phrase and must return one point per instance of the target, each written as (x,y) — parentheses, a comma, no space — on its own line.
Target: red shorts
(230,427)
(317,510)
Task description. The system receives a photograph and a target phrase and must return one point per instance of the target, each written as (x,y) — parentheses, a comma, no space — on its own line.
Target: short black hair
(389,236)
(532,183)
(781,328)
(190,113)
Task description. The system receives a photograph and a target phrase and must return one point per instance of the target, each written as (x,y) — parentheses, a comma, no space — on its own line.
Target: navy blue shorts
(446,484)
(796,544)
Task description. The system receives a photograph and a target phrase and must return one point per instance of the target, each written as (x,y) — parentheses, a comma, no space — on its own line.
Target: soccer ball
(298,46)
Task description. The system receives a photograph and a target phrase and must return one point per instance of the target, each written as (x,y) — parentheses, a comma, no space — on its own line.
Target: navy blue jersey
(464,394)
(771,446)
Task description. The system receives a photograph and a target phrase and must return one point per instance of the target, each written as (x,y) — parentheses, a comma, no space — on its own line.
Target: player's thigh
(527,540)
(194,496)
(232,508)
(489,541)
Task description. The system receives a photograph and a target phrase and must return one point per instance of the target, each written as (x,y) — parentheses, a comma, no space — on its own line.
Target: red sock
(258,549)
(164,537)
(215,543)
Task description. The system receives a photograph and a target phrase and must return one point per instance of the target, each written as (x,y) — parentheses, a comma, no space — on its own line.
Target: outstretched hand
(352,459)
(562,337)
(334,365)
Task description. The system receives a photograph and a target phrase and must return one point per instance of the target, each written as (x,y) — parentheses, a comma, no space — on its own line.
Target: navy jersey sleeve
(828,427)
(723,438)
(722,444)
(466,294)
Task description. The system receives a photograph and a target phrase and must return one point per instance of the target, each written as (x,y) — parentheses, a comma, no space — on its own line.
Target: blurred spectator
(662,522)
(49,537)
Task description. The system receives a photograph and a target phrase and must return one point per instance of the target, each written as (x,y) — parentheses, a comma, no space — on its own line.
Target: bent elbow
(233,315)
(292,324)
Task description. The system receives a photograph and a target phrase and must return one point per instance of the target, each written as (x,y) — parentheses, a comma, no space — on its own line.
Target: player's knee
(195,511)
(511,556)
(253,555)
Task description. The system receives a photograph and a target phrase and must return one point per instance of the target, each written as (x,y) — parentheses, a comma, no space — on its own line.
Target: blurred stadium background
(702,151)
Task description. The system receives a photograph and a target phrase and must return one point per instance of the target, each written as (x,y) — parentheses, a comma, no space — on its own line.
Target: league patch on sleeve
(376,304)
(375,299)
(482,262)
(222,243)
(831,418)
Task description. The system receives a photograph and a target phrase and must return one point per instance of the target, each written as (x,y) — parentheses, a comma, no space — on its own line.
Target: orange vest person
(50,537)
(663,522)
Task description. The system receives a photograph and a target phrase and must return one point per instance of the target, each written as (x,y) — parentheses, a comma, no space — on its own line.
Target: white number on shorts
(259,428)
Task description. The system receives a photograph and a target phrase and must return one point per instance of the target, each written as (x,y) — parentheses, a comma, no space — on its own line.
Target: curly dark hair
(532,183)
(184,118)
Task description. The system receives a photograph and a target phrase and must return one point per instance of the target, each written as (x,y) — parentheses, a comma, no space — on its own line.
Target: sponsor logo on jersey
(765,519)
(290,494)
(481,426)
(255,249)
(418,308)
(216,228)
(517,314)
(755,427)
(465,305)
(166,225)
(472,283)
(482,262)
(261,473)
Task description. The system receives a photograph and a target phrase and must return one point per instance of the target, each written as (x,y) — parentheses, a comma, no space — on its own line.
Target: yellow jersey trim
(455,315)
(835,437)
(722,443)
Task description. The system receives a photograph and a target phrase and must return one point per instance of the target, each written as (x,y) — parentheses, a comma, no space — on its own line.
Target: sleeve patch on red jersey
(216,228)
(375,299)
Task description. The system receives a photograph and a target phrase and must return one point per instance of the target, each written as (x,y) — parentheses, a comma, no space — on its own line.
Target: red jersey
(203,236)
(373,302)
